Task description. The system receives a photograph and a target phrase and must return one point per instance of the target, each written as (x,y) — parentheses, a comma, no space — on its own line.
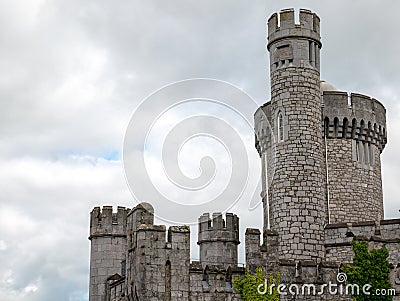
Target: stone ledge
(116,282)
(308,263)
(156,228)
(252,231)
(383,240)
(363,224)
(219,239)
(390,221)
(330,264)
(364,238)
(336,226)
(287,263)
(106,235)
(179,229)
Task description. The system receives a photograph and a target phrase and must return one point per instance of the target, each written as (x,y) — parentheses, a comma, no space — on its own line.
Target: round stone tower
(290,140)
(355,135)
(218,240)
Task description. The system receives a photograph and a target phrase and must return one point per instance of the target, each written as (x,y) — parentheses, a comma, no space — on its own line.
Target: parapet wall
(356,116)
(338,238)
(148,235)
(309,26)
(215,282)
(105,222)
(338,252)
(262,255)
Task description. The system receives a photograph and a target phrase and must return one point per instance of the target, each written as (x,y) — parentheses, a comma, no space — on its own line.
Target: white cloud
(3,245)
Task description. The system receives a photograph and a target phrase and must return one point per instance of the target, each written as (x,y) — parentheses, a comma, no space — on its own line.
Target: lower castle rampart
(157,266)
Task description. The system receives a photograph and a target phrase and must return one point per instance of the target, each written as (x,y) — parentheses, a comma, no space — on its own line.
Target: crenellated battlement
(338,238)
(215,281)
(283,25)
(105,222)
(156,237)
(217,228)
(257,254)
(383,231)
(142,231)
(218,239)
(357,116)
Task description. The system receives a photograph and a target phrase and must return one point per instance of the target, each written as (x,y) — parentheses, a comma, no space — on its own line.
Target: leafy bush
(247,286)
(369,267)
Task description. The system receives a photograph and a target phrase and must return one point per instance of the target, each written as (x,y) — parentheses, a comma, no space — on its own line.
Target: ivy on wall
(250,285)
(369,267)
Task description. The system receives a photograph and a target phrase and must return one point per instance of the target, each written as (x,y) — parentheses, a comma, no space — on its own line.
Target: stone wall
(108,247)
(115,288)
(213,282)
(158,262)
(159,268)
(338,238)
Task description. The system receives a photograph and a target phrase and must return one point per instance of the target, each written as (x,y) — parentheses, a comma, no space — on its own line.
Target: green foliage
(369,267)
(247,286)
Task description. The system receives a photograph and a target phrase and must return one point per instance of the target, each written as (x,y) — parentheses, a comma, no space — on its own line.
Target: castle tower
(108,247)
(289,138)
(218,240)
(355,135)
(157,269)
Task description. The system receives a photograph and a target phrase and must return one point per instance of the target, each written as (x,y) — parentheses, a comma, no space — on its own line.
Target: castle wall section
(265,255)
(338,238)
(213,282)
(108,247)
(158,262)
(386,232)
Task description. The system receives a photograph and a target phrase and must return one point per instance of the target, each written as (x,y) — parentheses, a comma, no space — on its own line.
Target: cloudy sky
(73,72)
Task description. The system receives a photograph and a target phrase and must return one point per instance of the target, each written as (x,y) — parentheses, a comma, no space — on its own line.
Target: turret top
(309,27)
